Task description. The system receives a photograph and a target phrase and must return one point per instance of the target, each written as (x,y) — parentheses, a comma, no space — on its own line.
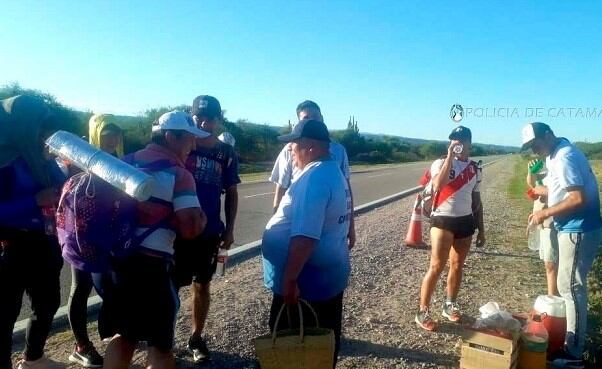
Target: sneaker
(565,360)
(86,356)
(41,363)
(424,321)
(198,349)
(451,311)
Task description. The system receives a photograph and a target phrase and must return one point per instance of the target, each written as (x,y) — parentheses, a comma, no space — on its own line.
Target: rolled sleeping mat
(86,157)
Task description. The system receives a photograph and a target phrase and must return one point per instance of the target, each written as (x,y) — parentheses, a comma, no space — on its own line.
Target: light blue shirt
(568,167)
(284,171)
(316,205)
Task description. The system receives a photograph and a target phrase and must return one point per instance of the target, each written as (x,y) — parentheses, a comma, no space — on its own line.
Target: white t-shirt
(284,171)
(460,203)
(318,206)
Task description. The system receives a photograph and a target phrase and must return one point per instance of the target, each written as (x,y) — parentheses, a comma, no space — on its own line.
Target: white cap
(178,120)
(227,138)
(532,131)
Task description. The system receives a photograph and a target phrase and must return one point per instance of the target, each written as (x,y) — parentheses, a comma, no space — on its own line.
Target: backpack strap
(153,166)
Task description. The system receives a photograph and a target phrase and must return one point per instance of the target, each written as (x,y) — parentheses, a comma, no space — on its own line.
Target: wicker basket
(303,348)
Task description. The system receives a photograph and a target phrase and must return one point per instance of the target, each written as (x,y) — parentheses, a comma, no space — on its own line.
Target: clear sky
(397,66)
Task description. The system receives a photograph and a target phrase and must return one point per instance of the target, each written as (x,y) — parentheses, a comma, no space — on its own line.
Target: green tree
(73,121)
(432,150)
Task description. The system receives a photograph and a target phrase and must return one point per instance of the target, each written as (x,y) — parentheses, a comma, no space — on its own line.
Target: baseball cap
(206,106)
(178,120)
(308,128)
(532,131)
(461,133)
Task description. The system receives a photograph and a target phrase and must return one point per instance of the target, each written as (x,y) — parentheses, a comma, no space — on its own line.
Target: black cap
(308,128)
(532,131)
(461,133)
(206,106)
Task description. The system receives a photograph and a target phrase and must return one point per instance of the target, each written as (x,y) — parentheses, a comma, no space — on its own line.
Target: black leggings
(81,287)
(30,262)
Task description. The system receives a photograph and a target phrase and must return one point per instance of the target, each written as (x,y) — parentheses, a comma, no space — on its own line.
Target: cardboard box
(488,350)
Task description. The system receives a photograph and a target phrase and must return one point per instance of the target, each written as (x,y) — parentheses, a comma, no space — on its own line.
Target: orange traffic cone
(414,236)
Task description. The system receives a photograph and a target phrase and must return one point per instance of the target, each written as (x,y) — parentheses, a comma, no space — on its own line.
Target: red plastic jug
(553,314)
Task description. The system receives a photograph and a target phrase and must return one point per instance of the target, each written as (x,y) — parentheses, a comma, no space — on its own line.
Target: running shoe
(86,356)
(451,311)
(424,321)
(198,349)
(566,360)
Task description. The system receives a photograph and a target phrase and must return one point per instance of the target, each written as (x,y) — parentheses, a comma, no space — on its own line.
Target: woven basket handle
(301,329)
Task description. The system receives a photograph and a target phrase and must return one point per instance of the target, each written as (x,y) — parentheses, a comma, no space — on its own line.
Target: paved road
(255,205)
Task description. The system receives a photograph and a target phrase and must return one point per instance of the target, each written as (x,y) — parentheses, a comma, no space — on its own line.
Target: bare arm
(574,200)
(190,222)
(300,249)
(231,209)
(442,178)
(530,179)
(351,237)
(278,193)
(478,212)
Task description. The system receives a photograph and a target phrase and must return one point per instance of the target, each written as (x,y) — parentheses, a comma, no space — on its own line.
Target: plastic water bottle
(222,258)
(458,148)
(536,167)
(533,236)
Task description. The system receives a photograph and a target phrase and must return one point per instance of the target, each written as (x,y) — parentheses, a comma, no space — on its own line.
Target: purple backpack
(96,221)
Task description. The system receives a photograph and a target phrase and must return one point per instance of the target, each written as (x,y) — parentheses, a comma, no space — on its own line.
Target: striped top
(176,190)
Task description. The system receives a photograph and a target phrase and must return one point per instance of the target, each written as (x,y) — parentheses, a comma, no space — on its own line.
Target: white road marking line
(380,175)
(259,194)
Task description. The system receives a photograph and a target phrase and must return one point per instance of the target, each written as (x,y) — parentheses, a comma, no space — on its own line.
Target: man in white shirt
(574,203)
(284,169)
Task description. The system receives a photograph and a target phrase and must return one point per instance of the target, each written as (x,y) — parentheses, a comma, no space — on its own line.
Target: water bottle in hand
(222,258)
(533,236)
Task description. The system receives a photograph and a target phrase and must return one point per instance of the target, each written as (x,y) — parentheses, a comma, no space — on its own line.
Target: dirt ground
(382,298)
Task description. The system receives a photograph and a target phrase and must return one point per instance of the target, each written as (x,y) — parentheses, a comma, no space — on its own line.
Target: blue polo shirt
(568,168)
(316,205)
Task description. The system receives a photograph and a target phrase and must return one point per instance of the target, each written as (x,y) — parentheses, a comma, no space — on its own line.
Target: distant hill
(421,141)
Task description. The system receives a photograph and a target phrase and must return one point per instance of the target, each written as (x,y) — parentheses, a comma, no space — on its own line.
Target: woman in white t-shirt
(457,211)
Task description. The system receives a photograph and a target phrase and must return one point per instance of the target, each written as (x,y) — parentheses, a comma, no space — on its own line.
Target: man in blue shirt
(30,257)
(574,204)
(304,245)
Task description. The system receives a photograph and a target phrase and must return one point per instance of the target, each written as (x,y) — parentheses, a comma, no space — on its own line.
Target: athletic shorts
(548,245)
(146,301)
(461,227)
(196,260)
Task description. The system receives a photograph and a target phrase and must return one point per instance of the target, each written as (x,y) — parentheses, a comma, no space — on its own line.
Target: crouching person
(304,246)
(146,300)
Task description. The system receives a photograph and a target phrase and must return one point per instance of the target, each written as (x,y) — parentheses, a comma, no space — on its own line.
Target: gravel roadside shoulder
(382,297)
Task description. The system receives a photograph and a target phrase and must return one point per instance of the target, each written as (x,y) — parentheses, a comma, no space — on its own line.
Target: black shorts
(145,300)
(196,260)
(461,227)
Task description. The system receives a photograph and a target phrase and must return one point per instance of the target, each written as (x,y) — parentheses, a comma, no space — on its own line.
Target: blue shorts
(145,300)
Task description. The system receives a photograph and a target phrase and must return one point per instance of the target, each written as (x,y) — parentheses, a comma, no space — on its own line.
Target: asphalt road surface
(255,205)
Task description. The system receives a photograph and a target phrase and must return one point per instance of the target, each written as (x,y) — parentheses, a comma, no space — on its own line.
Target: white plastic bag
(493,317)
